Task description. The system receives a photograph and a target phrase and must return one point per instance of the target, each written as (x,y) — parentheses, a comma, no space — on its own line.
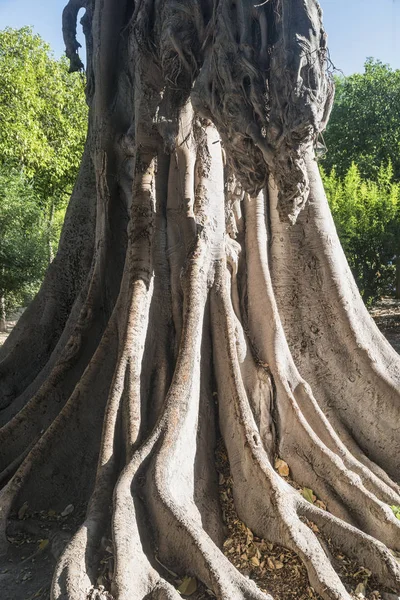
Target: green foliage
(367,217)
(42,111)
(43,121)
(364,127)
(22,239)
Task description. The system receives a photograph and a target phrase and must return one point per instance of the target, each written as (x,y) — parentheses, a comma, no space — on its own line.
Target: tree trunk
(200,287)
(50,231)
(398,278)
(3,315)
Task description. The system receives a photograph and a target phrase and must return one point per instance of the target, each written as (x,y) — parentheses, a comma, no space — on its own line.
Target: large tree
(199,257)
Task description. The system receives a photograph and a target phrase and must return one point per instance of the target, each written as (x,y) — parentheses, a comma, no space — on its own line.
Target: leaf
(360,589)
(68,510)
(282,467)
(255,561)
(43,544)
(270,563)
(188,586)
(308,494)
(396,511)
(22,510)
(278,564)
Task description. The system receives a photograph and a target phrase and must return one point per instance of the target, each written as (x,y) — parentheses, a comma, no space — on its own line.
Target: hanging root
(69,18)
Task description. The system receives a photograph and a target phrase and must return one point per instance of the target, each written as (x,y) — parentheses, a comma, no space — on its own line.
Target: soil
(37,539)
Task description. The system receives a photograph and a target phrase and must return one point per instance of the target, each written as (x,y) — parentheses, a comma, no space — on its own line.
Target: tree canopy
(364,127)
(43,118)
(367,217)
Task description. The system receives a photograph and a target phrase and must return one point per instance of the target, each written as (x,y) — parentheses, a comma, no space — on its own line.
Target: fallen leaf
(282,467)
(43,544)
(278,564)
(255,561)
(68,510)
(396,511)
(360,589)
(308,495)
(270,563)
(188,586)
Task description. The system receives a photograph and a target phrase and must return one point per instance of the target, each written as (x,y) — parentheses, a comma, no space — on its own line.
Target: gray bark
(3,315)
(198,258)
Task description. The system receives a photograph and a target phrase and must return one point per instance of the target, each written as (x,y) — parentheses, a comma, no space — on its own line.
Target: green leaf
(308,495)
(396,511)
(188,586)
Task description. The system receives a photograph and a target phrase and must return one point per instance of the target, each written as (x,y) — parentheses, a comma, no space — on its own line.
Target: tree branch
(69,20)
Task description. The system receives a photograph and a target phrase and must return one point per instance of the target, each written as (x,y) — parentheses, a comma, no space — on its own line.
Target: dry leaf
(43,544)
(360,589)
(22,510)
(67,510)
(282,467)
(278,564)
(270,563)
(255,561)
(188,586)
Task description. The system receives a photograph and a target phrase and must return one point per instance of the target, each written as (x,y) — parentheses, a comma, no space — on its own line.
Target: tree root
(277,517)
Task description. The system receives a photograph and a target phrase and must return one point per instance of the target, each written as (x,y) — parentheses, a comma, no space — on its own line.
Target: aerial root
(378,483)
(307,442)
(165,591)
(170,492)
(316,466)
(359,546)
(70,15)
(202,558)
(323,578)
(264,500)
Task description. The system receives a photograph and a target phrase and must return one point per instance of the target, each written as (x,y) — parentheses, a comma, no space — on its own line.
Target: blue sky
(356,28)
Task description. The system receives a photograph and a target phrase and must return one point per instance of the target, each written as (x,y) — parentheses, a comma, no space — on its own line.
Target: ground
(37,540)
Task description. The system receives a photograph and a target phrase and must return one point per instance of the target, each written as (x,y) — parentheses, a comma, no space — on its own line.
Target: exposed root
(277,516)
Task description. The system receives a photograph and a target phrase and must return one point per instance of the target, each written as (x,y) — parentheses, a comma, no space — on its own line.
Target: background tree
(199,257)
(23,236)
(367,217)
(364,130)
(43,118)
(364,127)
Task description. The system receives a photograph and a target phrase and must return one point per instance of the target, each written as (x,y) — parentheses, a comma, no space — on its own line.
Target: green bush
(367,217)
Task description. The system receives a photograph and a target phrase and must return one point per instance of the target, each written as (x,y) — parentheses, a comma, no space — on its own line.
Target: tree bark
(199,288)
(50,231)
(3,315)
